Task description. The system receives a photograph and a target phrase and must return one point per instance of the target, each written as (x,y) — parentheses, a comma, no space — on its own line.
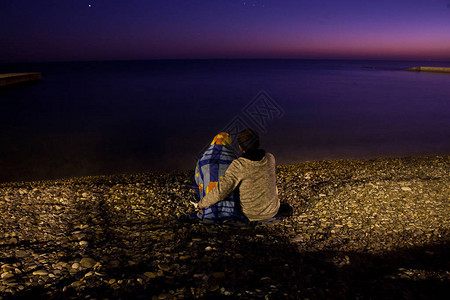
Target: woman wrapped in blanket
(210,168)
(251,177)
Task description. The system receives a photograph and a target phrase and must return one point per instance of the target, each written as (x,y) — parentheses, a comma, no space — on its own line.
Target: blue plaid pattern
(210,167)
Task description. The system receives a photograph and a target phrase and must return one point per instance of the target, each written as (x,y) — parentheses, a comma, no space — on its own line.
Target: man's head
(248,140)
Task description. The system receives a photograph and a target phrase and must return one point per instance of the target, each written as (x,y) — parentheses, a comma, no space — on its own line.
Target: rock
(40,272)
(75,266)
(164,267)
(87,262)
(76,284)
(213,288)
(297,239)
(266,280)
(21,253)
(7,275)
(150,275)
(88,274)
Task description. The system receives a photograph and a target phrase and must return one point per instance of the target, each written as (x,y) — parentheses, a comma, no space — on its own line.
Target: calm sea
(91,118)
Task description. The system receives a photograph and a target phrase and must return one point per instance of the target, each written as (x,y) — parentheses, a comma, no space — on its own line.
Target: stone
(88,274)
(87,262)
(7,275)
(75,266)
(297,239)
(21,253)
(266,280)
(76,284)
(40,272)
(213,288)
(164,267)
(150,275)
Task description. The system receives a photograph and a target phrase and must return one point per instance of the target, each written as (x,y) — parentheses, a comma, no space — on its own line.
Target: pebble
(7,275)
(76,284)
(40,272)
(75,266)
(266,280)
(21,253)
(164,267)
(213,288)
(150,275)
(87,262)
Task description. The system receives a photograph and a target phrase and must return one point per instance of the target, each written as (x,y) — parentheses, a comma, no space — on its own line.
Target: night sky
(72,30)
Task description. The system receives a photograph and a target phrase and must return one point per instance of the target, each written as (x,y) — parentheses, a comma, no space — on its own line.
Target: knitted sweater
(257,187)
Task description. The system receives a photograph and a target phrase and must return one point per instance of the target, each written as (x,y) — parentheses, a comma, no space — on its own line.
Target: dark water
(126,117)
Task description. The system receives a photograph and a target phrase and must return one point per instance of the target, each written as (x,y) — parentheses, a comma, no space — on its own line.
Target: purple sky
(56,30)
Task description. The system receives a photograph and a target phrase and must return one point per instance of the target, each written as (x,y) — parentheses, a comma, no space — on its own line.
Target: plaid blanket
(210,168)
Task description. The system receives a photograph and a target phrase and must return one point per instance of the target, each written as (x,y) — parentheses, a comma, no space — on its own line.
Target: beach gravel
(367,229)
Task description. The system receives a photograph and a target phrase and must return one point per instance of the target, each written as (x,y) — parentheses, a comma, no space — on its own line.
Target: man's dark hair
(248,139)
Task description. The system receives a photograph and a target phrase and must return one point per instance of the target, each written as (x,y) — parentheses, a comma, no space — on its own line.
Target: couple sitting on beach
(241,189)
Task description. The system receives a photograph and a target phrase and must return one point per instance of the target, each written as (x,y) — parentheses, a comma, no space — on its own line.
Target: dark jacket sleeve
(224,188)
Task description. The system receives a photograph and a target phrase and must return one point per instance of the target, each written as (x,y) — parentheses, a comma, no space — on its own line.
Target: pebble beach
(361,229)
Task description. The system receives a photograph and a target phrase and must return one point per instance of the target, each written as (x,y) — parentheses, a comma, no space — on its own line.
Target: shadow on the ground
(254,262)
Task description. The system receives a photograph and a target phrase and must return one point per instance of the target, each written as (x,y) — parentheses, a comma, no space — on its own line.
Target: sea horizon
(113,117)
(443,60)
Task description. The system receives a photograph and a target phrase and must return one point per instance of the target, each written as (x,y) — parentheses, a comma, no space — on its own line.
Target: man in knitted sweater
(254,174)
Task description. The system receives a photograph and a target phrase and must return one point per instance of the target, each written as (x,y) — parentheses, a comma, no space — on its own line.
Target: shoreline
(372,228)
(184,171)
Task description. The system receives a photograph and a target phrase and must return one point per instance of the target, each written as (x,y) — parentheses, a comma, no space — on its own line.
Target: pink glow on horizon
(138,29)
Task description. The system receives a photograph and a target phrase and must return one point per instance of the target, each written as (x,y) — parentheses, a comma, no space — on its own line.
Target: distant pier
(14,78)
(429,69)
